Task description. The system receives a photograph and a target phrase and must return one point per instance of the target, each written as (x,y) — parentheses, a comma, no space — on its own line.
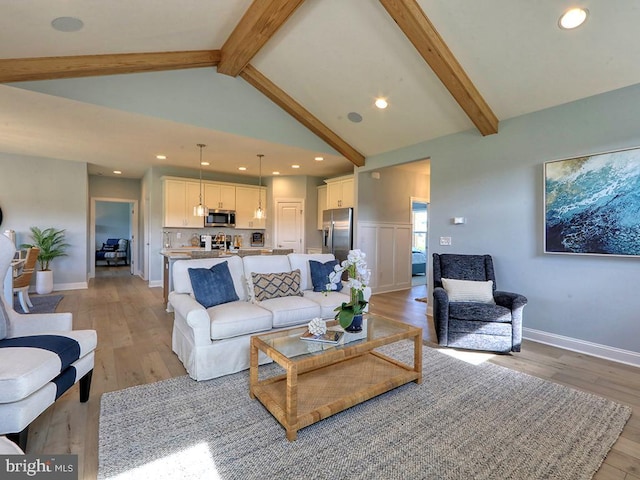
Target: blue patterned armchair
(114,250)
(472,314)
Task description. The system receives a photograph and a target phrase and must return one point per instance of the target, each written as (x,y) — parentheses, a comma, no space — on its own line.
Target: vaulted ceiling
(307,66)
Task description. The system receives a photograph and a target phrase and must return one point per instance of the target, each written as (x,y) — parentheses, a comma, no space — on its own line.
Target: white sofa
(215,341)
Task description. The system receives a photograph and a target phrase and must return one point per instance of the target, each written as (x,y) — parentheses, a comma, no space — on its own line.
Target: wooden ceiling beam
(260,22)
(47,68)
(420,31)
(297,111)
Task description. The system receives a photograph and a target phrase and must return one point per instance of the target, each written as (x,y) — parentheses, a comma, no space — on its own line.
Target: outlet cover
(445,241)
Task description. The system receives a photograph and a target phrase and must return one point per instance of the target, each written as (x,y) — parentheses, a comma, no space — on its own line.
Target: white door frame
(303,244)
(133,228)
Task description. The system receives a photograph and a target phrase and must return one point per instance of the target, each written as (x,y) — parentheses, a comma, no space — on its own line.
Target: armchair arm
(195,316)
(35,323)
(510,300)
(515,302)
(441,314)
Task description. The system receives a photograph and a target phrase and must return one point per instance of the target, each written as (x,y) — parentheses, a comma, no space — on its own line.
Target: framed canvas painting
(592,204)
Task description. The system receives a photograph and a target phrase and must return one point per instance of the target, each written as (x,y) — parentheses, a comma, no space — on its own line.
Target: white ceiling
(332,56)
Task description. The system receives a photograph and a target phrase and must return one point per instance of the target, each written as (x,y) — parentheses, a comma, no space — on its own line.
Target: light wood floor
(134,347)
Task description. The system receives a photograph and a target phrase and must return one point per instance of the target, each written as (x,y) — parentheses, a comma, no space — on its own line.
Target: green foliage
(347,311)
(51,244)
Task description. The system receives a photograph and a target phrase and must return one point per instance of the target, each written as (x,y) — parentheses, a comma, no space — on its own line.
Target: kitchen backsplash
(175,237)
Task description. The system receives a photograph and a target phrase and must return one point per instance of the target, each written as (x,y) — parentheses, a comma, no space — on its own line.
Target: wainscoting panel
(388,250)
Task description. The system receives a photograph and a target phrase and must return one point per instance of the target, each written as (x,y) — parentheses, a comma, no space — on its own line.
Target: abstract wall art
(592,204)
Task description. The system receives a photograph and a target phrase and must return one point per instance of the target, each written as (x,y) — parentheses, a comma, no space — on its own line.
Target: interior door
(289,226)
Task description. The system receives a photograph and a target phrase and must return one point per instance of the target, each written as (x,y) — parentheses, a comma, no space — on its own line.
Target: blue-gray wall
(112,221)
(496,182)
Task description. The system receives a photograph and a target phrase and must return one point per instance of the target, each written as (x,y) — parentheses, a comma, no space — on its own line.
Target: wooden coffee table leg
(417,356)
(253,369)
(292,403)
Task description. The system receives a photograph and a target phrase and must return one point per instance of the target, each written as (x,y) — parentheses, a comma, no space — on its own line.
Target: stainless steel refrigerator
(337,232)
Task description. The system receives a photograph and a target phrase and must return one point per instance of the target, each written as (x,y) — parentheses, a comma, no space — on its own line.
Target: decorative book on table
(331,336)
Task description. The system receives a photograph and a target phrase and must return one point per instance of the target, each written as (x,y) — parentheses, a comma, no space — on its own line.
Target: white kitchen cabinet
(340,192)
(322,203)
(247,198)
(219,196)
(180,196)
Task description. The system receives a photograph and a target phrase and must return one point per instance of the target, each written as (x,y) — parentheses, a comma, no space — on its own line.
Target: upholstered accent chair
(473,314)
(114,250)
(41,357)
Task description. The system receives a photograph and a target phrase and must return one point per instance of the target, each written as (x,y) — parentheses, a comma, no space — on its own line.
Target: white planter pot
(44,282)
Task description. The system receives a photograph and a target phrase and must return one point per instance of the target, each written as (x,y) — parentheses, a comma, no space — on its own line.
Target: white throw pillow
(468,290)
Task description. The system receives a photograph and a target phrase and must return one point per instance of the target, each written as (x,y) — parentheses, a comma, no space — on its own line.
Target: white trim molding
(582,346)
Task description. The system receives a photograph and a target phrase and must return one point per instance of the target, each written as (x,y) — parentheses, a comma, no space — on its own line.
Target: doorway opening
(419,242)
(113,222)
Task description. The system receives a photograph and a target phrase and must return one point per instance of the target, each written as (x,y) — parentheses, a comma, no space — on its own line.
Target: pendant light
(200,210)
(260,213)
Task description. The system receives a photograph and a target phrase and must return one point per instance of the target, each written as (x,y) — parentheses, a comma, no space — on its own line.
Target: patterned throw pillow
(320,276)
(213,286)
(275,285)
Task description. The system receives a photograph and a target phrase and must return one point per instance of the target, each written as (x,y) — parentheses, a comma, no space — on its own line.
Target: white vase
(44,282)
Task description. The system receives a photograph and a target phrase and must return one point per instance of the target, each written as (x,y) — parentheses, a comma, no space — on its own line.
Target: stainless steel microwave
(220,218)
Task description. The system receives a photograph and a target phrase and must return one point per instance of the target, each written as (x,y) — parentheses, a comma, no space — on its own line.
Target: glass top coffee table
(321,379)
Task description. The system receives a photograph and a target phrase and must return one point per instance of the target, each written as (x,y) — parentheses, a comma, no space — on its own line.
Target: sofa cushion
(182,281)
(213,286)
(301,262)
(238,318)
(276,285)
(289,311)
(262,264)
(468,290)
(328,301)
(320,276)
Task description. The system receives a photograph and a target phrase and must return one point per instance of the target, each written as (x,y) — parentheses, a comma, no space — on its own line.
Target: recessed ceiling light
(381,103)
(161,157)
(205,164)
(295,166)
(275,173)
(573,18)
(242,169)
(319,159)
(117,172)
(67,24)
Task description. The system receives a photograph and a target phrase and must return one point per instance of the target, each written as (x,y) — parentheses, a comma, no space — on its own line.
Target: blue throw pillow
(213,286)
(320,276)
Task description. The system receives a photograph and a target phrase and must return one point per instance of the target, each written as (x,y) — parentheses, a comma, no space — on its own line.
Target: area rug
(41,303)
(462,422)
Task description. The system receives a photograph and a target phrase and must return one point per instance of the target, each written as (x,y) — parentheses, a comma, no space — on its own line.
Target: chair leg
(20,438)
(23,304)
(26,296)
(85,386)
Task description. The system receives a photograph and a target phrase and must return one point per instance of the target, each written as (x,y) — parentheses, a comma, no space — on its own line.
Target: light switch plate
(445,241)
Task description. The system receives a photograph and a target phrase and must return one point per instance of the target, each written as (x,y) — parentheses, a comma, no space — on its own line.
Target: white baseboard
(155,283)
(70,286)
(576,345)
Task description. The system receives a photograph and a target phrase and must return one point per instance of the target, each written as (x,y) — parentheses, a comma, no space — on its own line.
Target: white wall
(496,182)
(48,193)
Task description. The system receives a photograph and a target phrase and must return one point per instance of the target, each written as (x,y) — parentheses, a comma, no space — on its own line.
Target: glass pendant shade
(200,210)
(260,214)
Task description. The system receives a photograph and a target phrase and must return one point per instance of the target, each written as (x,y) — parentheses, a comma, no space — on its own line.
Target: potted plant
(51,244)
(350,313)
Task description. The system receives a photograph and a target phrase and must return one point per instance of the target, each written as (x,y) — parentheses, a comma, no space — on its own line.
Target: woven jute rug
(463,422)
